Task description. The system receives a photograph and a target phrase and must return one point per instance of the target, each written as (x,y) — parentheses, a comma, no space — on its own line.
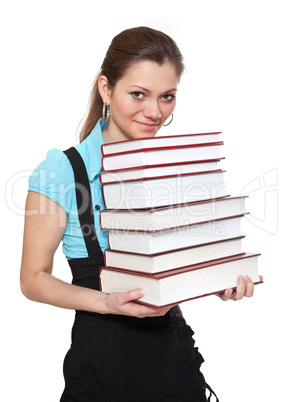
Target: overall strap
(211,393)
(84,203)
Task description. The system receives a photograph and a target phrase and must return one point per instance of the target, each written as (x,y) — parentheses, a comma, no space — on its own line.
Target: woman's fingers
(249,287)
(239,293)
(125,303)
(245,288)
(226,295)
(132,295)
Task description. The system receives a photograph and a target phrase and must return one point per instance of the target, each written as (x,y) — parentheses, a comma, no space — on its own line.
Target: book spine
(100,220)
(109,239)
(102,163)
(103,197)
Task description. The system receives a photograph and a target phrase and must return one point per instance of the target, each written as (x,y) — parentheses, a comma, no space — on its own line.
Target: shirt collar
(93,145)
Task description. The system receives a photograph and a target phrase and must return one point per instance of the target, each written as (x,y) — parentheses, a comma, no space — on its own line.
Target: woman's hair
(128,47)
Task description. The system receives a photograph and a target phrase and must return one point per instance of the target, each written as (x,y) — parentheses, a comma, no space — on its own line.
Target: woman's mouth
(147,126)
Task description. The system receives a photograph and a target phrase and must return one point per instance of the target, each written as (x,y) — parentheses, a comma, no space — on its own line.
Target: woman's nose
(152,110)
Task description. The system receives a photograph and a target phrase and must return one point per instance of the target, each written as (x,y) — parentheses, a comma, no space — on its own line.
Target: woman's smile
(147,126)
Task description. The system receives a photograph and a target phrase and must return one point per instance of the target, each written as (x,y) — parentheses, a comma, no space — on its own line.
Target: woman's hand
(245,288)
(124,303)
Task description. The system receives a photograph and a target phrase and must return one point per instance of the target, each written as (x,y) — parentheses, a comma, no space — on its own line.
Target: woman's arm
(45,224)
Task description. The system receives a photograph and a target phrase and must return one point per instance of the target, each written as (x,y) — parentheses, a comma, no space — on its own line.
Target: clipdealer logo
(264,190)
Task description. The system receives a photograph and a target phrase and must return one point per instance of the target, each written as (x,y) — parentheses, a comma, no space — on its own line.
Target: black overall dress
(120,358)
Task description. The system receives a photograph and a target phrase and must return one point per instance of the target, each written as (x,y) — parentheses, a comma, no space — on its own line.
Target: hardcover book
(172,228)
(162,156)
(172,216)
(168,260)
(159,142)
(159,241)
(147,172)
(163,191)
(179,285)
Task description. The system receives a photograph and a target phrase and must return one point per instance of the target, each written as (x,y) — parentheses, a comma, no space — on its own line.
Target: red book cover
(181,226)
(104,146)
(207,144)
(173,175)
(166,274)
(145,150)
(186,204)
(139,168)
(172,251)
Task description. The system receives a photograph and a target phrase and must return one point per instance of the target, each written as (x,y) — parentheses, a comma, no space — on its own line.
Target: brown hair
(128,47)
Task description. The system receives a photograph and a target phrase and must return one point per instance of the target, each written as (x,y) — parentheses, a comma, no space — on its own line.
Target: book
(159,241)
(173,259)
(162,156)
(172,140)
(179,285)
(146,172)
(163,191)
(173,215)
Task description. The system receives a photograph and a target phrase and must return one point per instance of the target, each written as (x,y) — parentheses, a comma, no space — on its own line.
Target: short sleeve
(54,178)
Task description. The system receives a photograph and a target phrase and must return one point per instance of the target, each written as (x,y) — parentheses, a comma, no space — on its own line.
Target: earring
(106,113)
(165,125)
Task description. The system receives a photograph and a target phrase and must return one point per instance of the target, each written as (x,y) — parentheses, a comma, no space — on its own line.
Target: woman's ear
(104,90)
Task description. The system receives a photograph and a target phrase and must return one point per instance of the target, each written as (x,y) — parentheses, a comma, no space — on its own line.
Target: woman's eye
(137,95)
(169,97)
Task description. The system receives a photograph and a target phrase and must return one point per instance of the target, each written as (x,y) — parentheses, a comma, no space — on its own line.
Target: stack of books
(173,229)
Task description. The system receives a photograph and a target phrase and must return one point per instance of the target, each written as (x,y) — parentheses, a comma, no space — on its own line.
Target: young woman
(121,350)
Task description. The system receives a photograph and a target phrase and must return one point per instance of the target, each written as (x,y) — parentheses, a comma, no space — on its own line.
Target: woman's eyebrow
(171,90)
(138,86)
(147,90)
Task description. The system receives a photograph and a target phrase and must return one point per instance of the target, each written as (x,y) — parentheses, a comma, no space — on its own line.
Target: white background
(51,52)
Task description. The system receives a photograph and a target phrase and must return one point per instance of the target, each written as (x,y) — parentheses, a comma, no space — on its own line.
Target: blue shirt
(54,178)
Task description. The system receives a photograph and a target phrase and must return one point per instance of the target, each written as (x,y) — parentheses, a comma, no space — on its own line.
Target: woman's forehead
(146,72)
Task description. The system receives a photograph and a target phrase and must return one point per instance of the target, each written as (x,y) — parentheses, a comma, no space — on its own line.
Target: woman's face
(141,101)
